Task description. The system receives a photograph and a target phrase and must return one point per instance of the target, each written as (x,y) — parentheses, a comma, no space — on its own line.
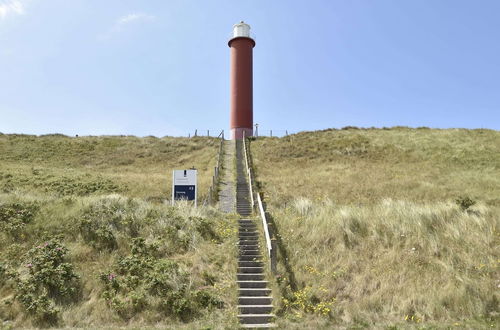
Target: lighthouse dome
(241,29)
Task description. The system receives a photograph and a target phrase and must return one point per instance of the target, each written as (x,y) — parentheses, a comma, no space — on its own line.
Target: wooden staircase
(255,300)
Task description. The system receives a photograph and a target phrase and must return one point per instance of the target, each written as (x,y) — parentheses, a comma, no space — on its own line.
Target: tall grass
(136,167)
(365,166)
(372,230)
(194,241)
(88,216)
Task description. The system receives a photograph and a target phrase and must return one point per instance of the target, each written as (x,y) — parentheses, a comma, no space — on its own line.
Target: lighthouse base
(239,132)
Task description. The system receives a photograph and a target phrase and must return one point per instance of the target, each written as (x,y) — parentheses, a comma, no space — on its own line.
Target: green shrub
(98,235)
(205,228)
(15,216)
(465,202)
(144,280)
(3,272)
(49,280)
(207,300)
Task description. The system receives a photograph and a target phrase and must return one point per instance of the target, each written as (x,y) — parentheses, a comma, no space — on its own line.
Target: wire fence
(257,133)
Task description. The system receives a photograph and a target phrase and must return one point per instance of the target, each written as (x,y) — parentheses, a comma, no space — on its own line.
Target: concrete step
(255,309)
(253,270)
(253,284)
(254,292)
(255,300)
(250,277)
(256,318)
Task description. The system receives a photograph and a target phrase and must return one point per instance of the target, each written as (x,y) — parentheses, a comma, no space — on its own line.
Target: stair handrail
(266,228)
(271,250)
(249,173)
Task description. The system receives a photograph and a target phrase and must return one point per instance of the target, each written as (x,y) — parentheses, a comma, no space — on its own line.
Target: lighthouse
(241,81)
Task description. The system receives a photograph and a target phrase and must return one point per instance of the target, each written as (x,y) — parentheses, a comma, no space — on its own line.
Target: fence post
(273,256)
(208,132)
(195,132)
(271,133)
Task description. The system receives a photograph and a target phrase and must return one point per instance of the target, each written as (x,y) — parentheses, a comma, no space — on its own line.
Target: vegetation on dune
(385,228)
(86,239)
(135,167)
(363,166)
(137,264)
(377,228)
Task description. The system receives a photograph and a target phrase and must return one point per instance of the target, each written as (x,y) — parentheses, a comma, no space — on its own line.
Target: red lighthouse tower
(241,45)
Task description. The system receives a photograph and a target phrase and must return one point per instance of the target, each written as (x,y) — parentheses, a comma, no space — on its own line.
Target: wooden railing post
(273,256)
(212,190)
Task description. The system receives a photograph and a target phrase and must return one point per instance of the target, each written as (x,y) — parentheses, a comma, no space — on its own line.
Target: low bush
(144,280)
(48,280)
(15,216)
(465,202)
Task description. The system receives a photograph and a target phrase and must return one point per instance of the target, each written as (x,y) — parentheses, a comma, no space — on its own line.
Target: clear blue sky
(162,67)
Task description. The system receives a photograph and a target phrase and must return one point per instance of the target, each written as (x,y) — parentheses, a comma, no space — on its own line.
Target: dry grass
(121,184)
(136,167)
(364,166)
(181,232)
(374,236)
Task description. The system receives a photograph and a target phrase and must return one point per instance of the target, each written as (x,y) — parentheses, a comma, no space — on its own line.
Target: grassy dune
(372,232)
(136,167)
(86,241)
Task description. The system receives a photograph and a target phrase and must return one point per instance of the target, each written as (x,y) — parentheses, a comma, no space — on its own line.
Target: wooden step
(255,309)
(250,264)
(255,300)
(250,257)
(253,270)
(254,292)
(250,253)
(256,318)
(253,284)
(250,277)
(249,247)
(258,326)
